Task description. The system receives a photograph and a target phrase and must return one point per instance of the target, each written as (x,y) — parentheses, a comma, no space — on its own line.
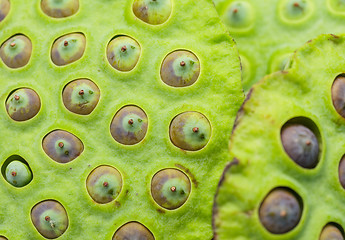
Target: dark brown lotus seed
(68,48)
(170,188)
(338,95)
(16,51)
(23,104)
(49,218)
(280,211)
(60,8)
(190,131)
(180,69)
(301,144)
(81,96)
(341,171)
(152,11)
(62,146)
(331,232)
(104,184)
(129,126)
(4,8)
(133,231)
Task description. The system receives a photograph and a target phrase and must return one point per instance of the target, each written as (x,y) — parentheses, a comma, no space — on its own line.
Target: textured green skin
(271,37)
(304,90)
(217,94)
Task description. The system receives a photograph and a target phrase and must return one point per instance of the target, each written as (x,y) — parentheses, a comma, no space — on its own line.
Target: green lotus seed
(170,188)
(280,211)
(336,6)
(190,131)
(62,146)
(60,8)
(104,184)
(49,218)
(133,231)
(239,16)
(18,173)
(129,125)
(338,95)
(296,11)
(123,53)
(15,52)
(301,144)
(331,232)
(180,69)
(68,48)
(4,8)
(81,96)
(152,11)
(23,104)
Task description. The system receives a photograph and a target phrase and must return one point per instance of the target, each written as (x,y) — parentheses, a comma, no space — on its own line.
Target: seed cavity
(23,104)
(81,96)
(190,131)
(239,16)
(16,51)
(17,171)
(332,231)
(123,53)
(129,125)
(338,94)
(60,8)
(49,218)
(170,188)
(62,146)
(180,68)
(104,184)
(68,48)
(300,139)
(4,10)
(280,211)
(153,12)
(295,11)
(133,230)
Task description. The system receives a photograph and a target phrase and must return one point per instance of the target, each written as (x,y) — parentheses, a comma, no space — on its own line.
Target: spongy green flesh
(302,91)
(217,94)
(278,28)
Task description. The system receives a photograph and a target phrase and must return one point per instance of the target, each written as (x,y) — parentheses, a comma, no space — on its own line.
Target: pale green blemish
(18,174)
(185,67)
(132,123)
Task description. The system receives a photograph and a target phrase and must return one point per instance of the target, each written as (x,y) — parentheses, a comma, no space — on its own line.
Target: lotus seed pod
(281,115)
(152,11)
(49,218)
(104,184)
(68,49)
(331,232)
(239,16)
(123,53)
(16,51)
(280,211)
(62,146)
(190,131)
(133,230)
(139,149)
(18,174)
(4,8)
(81,96)
(60,8)
(129,125)
(180,69)
(301,144)
(23,104)
(170,188)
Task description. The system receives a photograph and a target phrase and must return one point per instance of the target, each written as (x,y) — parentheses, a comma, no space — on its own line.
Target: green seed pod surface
(23,104)
(123,53)
(68,49)
(4,8)
(300,98)
(133,230)
(59,8)
(49,218)
(15,52)
(268,31)
(331,232)
(81,96)
(18,174)
(192,26)
(152,11)
(104,184)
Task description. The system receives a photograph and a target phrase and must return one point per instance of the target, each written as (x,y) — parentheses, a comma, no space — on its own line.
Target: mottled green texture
(300,95)
(18,173)
(16,51)
(59,8)
(193,26)
(267,31)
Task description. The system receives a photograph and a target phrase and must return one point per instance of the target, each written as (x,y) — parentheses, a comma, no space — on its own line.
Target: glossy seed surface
(133,231)
(60,8)
(16,51)
(152,11)
(18,173)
